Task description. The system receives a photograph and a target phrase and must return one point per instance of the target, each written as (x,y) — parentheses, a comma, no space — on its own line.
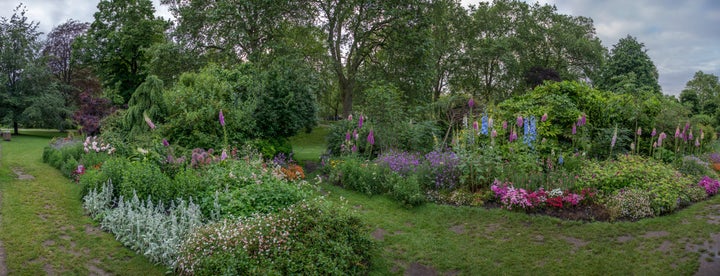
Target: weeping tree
(146,101)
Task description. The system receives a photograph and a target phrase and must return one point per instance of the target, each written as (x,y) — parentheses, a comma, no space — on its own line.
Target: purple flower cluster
(400,161)
(443,167)
(710,185)
(715,157)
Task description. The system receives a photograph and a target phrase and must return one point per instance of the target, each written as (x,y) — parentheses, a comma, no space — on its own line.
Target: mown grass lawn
(43,227)
(309,146)
(479,241)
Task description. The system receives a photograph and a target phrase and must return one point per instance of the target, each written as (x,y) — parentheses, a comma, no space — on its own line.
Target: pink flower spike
(148,121)
(655,144)
(371,138)
(221,118)
(471,103)
(360,122)
(350,117)
(544,117)
(677,132)
(223,155)
(165,142)
(493,134)
(574,129)
(475,125)
(697,142)
(652,134)
(347,136)
(639,131)
(504,124)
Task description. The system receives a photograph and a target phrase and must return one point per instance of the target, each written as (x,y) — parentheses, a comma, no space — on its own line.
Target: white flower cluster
(555,192)
(95,144)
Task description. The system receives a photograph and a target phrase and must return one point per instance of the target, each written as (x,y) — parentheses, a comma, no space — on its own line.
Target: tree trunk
(346,93)
(15,127)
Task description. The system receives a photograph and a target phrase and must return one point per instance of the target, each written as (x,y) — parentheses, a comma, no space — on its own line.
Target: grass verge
(44,229)
(479,241)
(309,146)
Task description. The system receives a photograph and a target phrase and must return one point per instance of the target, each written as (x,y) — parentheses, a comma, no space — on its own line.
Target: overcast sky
(681,37)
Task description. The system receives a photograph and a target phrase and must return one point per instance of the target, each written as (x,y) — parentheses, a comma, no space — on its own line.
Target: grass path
(43,228)
(477,241)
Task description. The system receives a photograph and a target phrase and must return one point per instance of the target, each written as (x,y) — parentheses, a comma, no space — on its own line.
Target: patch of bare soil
(655,234)
(458,229)
(94,270)
(624,239)
(379,234)
(665,246)
(577,243)
(416,269)
(709,255)
(21,175)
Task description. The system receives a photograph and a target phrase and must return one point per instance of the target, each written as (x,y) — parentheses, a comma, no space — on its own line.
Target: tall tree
(702,93)
(116,42)
(354,30)
(58,49)
(629,56)
(230,30)
(18,50)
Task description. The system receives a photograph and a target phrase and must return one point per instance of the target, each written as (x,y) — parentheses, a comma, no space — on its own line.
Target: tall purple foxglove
(677,132)
(504,124)
(690,136)
(165,142)
(574,129)
(493,134)
(519,121)
(355,134)
(223,155)
(350,117)
(652,134)
(221,118)
(347,136)
(475,125)
(371,138)
(513,136)
(360,122)
(471,103)
(544,117)
(148,121)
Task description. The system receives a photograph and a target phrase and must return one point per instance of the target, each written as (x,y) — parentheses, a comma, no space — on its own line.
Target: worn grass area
(43,228)
(309,146)
(480,241)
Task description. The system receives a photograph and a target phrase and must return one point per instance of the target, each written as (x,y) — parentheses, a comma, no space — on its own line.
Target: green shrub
(693,193)
(272,146)
(261,198)
(309,238)
(628,171)
(405,189)
(145,179)
(693,167)
(633,204)
(358,175)
(69,166)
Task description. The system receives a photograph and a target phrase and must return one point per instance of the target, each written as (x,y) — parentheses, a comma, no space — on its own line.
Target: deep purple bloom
(371,138)
(221,118)
(471,103)
(223,155)
(354,148)
(582,120)
(544,117)
(513,136)
(519,121)
(360,122)
(677,132)
(475,125)
(504,124)
(652,134)
(165,142)
(347,136)
(574,129)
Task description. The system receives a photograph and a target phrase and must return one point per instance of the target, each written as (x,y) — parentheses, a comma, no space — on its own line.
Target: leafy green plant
(633,204)
(405,189)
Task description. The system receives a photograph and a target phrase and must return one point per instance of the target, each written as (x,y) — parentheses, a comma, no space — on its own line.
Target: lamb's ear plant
(97,203)
(150,229)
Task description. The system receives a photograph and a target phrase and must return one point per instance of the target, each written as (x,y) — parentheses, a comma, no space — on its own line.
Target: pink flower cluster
(512,197)
(95,144)
(710,185)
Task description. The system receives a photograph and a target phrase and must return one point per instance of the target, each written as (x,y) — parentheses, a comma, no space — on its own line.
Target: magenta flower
(513,136)
(504,124)
(574,129)
(690,136)
(471,103)
(475,125)
(355,134)
(544,117)
(519,121)
(652,134)
(493,134)
(360,122)
(223,155)
(350,117)
(582,120)
(221,118)
(347,136)
(687,126)
(677,132)
(354,148)
(371,138)
(165,142)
